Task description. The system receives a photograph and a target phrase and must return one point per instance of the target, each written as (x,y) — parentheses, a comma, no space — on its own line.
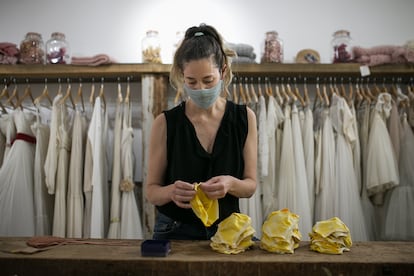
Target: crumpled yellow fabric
(280,232)
(234,234)
(330,236)
(206,209)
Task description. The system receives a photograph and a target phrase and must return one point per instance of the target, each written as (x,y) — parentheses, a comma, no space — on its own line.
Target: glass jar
(32,49)
(341,47)
(151,47)
(57,49)
(272,48)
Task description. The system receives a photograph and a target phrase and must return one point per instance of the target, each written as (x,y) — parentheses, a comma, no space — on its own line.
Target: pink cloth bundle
(96,60)
(386,54)
(9,53)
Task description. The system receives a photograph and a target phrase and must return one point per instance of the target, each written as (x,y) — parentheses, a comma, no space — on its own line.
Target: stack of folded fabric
(9,53)
(280,232)
(96,60)
(330,236)
(207,210)
(245,53)
(385,54)
(234,234)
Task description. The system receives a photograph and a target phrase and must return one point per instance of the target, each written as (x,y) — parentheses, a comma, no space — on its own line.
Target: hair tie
(198,34)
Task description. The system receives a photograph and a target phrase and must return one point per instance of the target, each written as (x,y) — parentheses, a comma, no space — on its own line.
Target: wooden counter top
(197,258)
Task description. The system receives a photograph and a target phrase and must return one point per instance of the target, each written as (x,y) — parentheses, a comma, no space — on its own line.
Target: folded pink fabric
(386,54)
(8,53)
(96,60)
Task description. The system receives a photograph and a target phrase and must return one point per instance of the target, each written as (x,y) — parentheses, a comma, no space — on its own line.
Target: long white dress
(131,227)
(302,208)
(16,190)
(9,130)
(347,198)
(75,200)
(115,210)
(2,143)
(309,155)
(399,223)
(43,201)
(286,193)
(325,189)
(274,119)
(95,137)
(382,167)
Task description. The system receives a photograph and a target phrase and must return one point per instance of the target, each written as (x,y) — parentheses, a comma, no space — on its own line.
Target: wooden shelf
(113,71)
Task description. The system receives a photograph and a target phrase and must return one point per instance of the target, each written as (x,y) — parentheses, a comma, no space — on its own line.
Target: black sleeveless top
(188,161)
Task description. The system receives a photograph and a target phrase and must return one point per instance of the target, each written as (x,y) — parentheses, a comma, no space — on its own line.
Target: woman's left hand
(217,187)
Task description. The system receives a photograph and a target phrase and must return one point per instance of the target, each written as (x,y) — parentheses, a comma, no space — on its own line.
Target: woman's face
(201,74)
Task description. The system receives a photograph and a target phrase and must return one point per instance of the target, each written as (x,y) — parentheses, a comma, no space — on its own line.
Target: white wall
(116,27)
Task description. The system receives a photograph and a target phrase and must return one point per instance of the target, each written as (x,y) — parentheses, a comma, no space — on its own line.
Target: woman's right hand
(182,194)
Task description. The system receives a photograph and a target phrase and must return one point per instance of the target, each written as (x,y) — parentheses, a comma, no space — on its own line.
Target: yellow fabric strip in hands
(207,210)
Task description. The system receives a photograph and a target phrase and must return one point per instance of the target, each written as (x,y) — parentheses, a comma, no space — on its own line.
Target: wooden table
(197,258)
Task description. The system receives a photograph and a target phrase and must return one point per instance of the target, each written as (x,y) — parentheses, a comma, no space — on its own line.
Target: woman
(205,139)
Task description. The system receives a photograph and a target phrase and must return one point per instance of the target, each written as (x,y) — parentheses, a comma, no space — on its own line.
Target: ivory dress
(75,200)
(115,210)
(347,198)
(399,223)
(43,201)
(382,167)
(131,227)
(9,130)
(302,208)
(325,189)
(309,155)
(17,211)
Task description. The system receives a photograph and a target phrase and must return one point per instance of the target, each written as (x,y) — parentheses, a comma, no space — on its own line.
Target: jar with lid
(151,47)
(57,49)
(341,47)
(32,49)
(272,48)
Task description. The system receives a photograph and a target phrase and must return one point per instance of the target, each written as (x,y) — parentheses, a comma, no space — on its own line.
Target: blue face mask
(204,98)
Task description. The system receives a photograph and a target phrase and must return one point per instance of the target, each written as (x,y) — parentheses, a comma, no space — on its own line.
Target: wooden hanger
(241,91)
(79,97)
(27,93)
(318,93)
(278,96)
(259,88)
(120,98)
(325,95)
(305,93)
(68,95)
(102,94)
(92,95)
(297,93)
(14,95)
(128,92)
(246,91)
(284,93)
(253,91)
(235,98)
(5,92)
(291,93)
(45,94)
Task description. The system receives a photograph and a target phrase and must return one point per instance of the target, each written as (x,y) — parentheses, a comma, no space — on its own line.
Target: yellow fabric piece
(206,209)
(280,232)
(234,234)
(330,236)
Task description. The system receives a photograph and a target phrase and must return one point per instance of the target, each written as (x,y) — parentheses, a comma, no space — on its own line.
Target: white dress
(95,138)
(286,193)
(75,200)
(325,188)
(399,223)
(16,190)
(302,208)
(43,201)
(115,210)
(274,118)
(9,131)
(382,167)
(349,208)
(309,155)
(131,227)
